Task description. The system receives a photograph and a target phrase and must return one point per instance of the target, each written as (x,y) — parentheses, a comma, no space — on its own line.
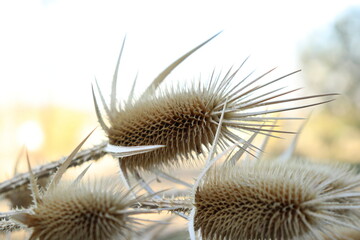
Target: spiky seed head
(185,120)
(272,200)
(21,197)
(81,211)
(181,122)
(75,210)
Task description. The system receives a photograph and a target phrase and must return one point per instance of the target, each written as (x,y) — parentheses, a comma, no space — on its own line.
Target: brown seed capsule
(185,120)
(75,210)
(81,211)
(272,200)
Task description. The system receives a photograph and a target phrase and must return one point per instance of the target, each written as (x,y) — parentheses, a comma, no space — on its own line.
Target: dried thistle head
(272,200)
(82,211)
(185,120)
(75,210)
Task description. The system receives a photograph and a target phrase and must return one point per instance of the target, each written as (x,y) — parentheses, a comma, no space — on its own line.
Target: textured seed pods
(185,120)
(272,200)
(81,211)
(75,210)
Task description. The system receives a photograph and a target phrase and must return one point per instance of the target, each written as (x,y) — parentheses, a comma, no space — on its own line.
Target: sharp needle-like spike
(81,175)
(64,166)
(98,113)
(18,158)
(209,165)
(236,157)
(107,110)
(289,152)
(159,79)
(217,134)
(114,82)
(33,183)
(171,178)
(131,94)
(124,177)
(248,114)
(146,186)
(263,146)
(123,151)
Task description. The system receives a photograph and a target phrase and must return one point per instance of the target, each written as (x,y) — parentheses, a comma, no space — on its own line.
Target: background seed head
(80,211)
(269,200)
(21,197)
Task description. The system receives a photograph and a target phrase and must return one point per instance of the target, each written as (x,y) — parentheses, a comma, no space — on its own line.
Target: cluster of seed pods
(169,128)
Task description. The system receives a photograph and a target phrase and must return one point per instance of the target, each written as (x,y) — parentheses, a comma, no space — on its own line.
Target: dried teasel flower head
(277,200)
(75,210)
(185,120)
(83,211)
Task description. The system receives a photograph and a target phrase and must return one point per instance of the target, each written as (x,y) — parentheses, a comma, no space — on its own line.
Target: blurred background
(51,51)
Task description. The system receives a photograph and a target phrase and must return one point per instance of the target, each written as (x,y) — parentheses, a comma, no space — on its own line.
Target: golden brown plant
(21,180)
(185,120)
(256,200)
(74,210)
(100,210)
(274,200)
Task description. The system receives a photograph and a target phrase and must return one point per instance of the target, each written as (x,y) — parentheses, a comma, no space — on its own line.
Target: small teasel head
(185,120)
(273,200)
(76,210)
(97,210)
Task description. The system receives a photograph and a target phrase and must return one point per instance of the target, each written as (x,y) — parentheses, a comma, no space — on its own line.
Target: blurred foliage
(330,59)
(331,62)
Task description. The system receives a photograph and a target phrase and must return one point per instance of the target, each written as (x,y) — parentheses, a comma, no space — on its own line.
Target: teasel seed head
(76,210)
(185,120)
(273,200)
(82,211)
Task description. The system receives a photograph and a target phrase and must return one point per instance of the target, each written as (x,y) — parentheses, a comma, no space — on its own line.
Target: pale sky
(51,50)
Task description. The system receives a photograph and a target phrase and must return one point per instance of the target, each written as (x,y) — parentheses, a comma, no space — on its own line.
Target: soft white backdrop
(51,50)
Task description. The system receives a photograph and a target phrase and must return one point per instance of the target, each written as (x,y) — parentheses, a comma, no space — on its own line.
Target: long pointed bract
(114,82)
(33,183)
(98,113)
(66,163)
(161,77)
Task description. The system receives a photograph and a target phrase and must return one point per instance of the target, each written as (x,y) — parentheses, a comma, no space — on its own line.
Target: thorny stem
(172,205)
(183,205)
(7,215)
(10,226)
(45,170)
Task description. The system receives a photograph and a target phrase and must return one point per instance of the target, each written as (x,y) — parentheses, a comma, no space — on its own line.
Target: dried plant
(185,119)
(276,200)
(75,210)
(253,199)
(21,180)
(100,210)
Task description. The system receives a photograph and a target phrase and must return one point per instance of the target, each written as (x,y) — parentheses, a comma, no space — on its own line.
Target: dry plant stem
(6,215)
(165,204)
(145,186)
(171,178)
(10,226)
(93,153)
(77,210)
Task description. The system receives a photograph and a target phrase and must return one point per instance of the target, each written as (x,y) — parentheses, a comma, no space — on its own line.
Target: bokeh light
(31,135)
